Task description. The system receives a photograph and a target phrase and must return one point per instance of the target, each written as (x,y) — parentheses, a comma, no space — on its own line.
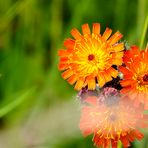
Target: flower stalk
(145,29)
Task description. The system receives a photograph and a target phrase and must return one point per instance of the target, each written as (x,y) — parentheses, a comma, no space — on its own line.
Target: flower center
(91,57)
(112,117)
(145,78)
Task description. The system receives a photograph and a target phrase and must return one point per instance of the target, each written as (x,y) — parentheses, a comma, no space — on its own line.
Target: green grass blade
(144,32)
(12,105)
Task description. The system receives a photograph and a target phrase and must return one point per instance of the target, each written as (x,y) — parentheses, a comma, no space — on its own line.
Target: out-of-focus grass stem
(142,12)
(145,28)
(119,145)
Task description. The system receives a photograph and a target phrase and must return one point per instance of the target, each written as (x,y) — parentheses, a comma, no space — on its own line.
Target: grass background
(38,109)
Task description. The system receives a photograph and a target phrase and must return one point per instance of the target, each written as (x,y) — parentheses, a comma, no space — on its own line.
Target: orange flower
(89,57)
(135,75)
(111,123)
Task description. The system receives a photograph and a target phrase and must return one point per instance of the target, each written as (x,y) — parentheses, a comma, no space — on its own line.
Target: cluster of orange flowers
(113,84)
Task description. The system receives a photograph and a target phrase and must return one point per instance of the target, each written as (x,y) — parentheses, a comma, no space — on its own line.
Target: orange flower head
(135,75)
(89,57)
(112,120)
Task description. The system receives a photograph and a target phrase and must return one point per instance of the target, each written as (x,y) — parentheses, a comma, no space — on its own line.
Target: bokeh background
(38,109)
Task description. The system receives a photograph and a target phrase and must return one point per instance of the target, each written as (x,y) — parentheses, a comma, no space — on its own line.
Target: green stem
(119,144)
(144,32)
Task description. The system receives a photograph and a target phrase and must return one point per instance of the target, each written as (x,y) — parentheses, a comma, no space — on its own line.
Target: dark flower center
(91,57)
(145,78)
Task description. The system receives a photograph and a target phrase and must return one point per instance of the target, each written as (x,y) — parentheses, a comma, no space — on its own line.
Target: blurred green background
(38,109)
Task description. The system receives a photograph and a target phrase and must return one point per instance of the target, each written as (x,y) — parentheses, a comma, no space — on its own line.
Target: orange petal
(69,43)
(131,137)
(96,28)
(144,55)
(125,141)
(118,61)
(126,72)
(66,74)
(138,134)
(72,79)
(118,47)
(107,76)
(114,143)
(117,58)
(114,38)
(63,53)
(119,55)
(98,141)
(91,100)
(127,82)
(79,83)
(76,34)
(107,33)
(101,79)
(125,90)
(106,143)
(87,131)
(85,29)
(113,72)
(135,51)
(64,59)
(91,83)
(63,66)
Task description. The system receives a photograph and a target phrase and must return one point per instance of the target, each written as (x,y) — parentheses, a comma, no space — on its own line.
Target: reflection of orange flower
(113,123)
(90,57)
(135,81)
